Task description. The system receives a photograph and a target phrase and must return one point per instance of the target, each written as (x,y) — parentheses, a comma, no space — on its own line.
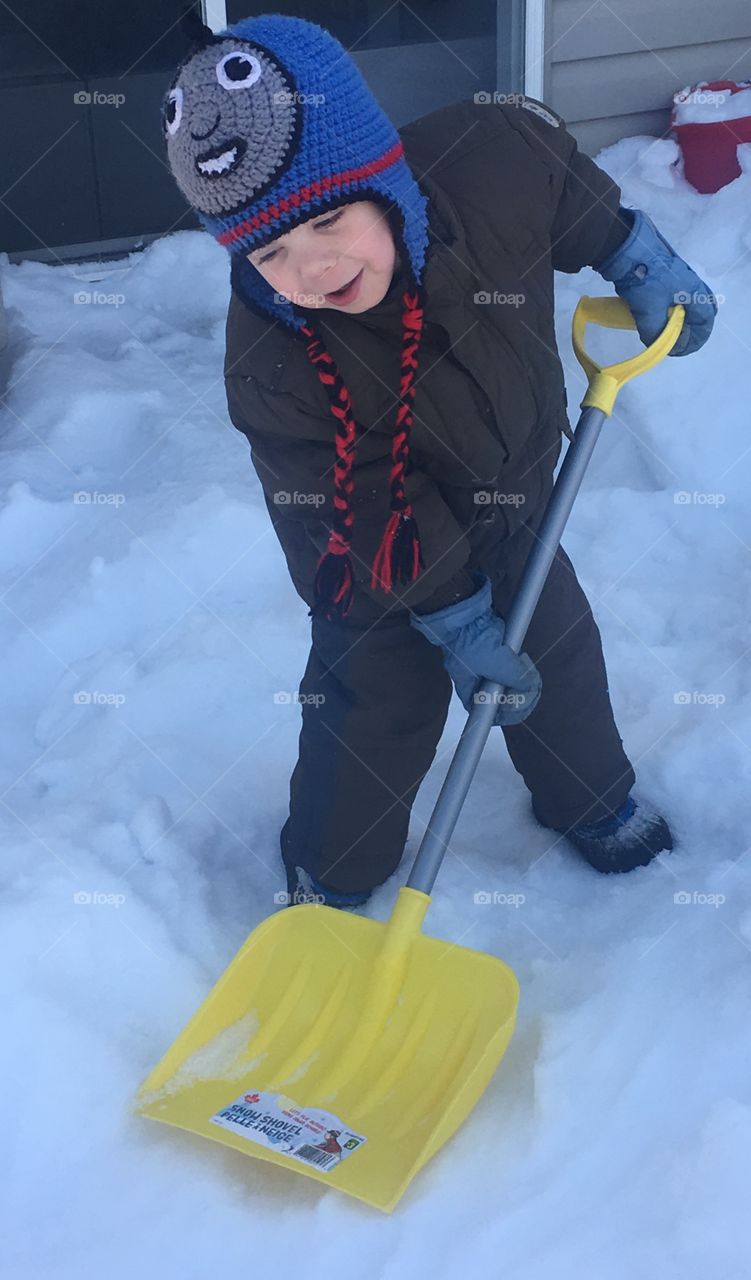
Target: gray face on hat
(230,121)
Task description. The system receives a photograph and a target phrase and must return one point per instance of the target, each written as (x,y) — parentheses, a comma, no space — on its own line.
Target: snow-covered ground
(149,628)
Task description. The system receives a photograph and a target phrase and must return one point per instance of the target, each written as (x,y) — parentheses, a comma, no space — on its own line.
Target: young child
(391,358)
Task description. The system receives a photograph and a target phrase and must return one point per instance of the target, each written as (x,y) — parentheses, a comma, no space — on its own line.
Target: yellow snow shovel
(345,1048)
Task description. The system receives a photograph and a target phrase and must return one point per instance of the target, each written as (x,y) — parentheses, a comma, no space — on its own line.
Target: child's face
(317,257)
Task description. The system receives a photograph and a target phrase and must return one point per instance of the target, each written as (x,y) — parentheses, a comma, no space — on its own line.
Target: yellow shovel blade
(340,1047)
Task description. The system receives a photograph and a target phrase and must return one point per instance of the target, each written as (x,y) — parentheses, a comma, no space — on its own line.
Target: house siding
(611,69)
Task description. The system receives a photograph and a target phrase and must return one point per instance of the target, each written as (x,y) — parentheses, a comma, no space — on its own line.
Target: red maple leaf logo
(252,1097)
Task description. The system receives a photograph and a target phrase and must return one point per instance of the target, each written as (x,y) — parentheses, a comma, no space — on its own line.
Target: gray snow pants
(365,748)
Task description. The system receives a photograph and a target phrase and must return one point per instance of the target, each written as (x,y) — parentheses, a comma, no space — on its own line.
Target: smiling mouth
(221,159)
(336,292)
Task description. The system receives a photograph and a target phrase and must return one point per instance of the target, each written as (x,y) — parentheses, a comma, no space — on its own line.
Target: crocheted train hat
(268,124)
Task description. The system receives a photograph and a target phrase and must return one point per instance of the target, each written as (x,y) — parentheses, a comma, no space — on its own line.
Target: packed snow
(153,644)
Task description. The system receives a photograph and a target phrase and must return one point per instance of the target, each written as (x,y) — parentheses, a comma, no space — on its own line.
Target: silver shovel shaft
(461,771)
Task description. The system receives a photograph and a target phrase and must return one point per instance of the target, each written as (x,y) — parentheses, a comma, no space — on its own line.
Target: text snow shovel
(345,1048)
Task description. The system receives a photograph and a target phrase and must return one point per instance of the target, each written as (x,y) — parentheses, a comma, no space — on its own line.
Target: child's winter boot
(629,838)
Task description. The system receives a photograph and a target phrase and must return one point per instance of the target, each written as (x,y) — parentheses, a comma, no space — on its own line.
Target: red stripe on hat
(314,188)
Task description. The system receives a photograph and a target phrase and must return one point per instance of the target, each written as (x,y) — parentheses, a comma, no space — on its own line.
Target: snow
(153,644)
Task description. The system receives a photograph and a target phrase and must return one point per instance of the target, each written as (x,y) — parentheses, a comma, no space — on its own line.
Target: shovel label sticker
(310,1135)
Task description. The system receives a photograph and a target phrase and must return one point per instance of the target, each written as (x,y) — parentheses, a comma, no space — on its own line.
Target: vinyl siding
(611,68)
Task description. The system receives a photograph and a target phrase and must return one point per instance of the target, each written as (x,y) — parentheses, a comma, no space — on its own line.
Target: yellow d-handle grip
(606,381)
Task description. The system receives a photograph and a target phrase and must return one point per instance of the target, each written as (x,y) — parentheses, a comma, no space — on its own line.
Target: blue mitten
(650,277)
(471,637)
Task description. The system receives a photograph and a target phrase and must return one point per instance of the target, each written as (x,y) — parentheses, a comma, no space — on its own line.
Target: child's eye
(328,223)
(334,218)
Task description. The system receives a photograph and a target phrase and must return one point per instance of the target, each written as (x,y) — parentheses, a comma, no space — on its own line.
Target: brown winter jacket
(511,199)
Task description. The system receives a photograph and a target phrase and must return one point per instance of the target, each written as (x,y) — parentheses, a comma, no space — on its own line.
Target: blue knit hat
(267,124)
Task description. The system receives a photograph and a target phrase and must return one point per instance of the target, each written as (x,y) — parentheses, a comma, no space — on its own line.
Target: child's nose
(323,269)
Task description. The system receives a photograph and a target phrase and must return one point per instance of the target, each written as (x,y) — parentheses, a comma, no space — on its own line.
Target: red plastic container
(708,145)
